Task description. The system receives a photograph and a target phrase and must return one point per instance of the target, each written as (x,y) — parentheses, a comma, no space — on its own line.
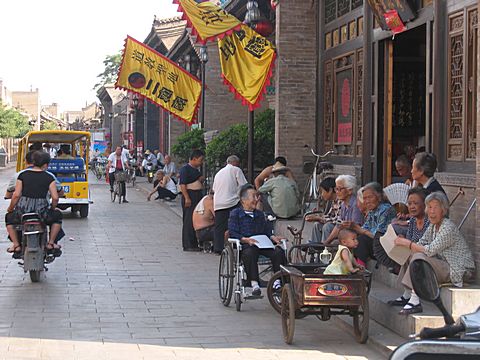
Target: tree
(12,123)
(109,75)
(187,142)
(50,125)
(233,141)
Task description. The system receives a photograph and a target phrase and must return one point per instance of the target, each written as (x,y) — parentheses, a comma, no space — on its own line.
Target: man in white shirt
(226,185)
(117,162)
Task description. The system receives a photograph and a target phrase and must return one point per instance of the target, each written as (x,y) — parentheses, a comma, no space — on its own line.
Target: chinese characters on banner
(207,20)
(150,74)
(344,101)
(247,59)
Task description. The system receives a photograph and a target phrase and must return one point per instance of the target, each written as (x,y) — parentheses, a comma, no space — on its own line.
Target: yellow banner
(148,73)
(207,20)
(247,59)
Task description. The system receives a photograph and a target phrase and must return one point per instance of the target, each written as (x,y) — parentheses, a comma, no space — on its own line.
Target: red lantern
(274,4)
(264,28)
(394,22)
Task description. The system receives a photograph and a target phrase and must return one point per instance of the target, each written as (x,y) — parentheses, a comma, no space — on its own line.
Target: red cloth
(118,165)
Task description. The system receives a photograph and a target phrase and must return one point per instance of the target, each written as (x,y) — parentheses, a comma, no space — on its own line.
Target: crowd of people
(353,220)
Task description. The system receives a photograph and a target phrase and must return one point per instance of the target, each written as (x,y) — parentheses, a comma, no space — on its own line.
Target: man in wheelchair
(246,221)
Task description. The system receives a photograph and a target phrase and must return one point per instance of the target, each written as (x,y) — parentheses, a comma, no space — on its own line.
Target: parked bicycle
(120,177)
(131,177)
(99,167)
(318,171)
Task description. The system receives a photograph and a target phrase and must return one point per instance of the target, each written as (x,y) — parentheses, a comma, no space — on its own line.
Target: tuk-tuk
(70,168)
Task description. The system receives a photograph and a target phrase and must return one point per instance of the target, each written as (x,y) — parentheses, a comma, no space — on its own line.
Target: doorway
(402,86)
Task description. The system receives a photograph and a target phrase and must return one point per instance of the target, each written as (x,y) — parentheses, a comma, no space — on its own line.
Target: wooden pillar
(367,93)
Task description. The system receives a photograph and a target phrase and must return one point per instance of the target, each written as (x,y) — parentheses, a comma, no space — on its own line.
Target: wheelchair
(232,277)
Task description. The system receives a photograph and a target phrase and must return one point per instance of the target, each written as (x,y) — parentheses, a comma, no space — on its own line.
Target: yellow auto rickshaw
(69,163)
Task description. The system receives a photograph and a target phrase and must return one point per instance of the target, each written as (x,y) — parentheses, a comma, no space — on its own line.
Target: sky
(59,46)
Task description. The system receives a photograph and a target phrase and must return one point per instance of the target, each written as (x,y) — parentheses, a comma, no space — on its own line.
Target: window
(337,8)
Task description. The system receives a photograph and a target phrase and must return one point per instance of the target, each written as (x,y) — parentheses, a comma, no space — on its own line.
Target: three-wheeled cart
(307,291)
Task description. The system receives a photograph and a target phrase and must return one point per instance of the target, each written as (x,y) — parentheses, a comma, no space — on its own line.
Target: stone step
(384,276)
(388,316)
(460,301)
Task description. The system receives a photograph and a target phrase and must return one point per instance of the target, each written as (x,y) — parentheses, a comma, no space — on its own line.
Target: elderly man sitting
(246,221)
(283,194)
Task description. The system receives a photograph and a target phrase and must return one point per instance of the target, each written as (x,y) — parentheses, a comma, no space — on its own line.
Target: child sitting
(344,262)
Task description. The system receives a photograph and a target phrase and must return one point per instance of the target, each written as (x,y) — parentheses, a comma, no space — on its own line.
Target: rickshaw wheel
(361,321)
(238,301)
(226,275)
(288,314)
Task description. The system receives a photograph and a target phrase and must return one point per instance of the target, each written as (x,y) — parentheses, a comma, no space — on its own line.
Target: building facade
(344,82)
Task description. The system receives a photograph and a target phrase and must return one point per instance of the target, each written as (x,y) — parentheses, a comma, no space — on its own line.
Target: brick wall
(221,108)
(295,82)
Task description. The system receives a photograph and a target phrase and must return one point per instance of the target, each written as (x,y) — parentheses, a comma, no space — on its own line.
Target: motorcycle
(34,238)
(462,338)
(150,171)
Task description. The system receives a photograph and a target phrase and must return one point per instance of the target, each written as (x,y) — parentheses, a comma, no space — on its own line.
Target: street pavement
(124,289)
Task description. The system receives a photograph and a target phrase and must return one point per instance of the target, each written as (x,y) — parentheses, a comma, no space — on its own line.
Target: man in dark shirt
(191,186)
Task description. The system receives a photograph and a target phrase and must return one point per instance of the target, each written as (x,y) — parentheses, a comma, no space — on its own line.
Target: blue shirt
(380,218)
(351,212)
(241,224)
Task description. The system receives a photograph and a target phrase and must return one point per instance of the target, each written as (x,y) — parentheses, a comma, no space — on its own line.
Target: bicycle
(120,177)
(99,168)
(317,171)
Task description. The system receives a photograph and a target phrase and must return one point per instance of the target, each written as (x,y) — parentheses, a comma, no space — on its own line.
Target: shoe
(197,249)
(257,291)
(125,201)
(394,270)
(414,309)
(398,302)
(277,285)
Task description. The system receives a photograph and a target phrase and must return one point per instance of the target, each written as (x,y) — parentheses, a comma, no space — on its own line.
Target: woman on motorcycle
(30,196)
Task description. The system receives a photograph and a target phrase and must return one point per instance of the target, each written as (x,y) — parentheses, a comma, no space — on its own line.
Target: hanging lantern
(264,28)
(274,4)
(253,13)
(394,22)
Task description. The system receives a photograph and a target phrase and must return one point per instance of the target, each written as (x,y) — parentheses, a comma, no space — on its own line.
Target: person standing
(117,162)
(191,186)
(226,184)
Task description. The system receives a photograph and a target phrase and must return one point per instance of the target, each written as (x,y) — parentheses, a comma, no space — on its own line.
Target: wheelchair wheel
(275,296)
(288,313)
(238,301)
(226,275)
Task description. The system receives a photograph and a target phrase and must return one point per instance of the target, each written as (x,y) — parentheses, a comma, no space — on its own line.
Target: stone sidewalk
(123,289)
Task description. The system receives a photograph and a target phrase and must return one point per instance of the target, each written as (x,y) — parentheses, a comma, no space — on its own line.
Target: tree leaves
(109,75)
(12,123)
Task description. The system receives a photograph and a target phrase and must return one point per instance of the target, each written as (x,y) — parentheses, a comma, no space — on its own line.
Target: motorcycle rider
(30,195)
(149,158)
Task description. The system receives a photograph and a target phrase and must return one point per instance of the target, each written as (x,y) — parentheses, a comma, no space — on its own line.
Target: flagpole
(251,18)
(251,135)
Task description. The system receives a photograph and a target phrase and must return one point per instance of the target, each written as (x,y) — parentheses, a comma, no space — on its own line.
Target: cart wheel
(288,313)
(361,321)
(226,275)
(238,301)
(275,296)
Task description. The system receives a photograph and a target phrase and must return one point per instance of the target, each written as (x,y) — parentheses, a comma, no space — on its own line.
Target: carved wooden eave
(165,33)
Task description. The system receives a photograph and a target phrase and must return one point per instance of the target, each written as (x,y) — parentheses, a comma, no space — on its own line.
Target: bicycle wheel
(113,194)
(98,172)
(308,198)
(120,192)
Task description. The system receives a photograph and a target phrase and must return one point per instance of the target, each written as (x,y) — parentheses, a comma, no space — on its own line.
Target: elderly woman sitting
(442,245)
(380,215)
(246,221)
(349,211)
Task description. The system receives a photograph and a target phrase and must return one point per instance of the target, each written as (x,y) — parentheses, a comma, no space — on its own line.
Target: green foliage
(12,123)
(50,125)
(187,142)
(109,75)
(233,141)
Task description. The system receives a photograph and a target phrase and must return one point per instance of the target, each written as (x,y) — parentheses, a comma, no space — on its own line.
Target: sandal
(402,301)
(53,246)
(15,249)
(414,309)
